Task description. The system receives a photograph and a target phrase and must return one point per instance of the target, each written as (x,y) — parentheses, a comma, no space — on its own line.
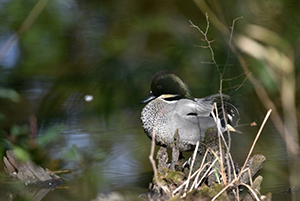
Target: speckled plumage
(192,117)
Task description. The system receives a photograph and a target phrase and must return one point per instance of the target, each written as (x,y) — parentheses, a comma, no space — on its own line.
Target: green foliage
(73,154)
(21,153)
(212,191)
(49,136)
(19,131)
(28,147)
(9,94)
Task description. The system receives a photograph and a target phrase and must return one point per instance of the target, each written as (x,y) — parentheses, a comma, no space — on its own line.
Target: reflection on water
(12,56)
(111,155)
(113,158)
(125,167)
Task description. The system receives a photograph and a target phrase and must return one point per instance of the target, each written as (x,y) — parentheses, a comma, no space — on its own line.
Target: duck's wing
(222,101)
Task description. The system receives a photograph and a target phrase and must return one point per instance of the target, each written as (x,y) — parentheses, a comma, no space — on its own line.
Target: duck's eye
(159,86)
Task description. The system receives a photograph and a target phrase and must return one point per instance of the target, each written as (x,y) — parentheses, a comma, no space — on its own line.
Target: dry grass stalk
(254,142)
(202,166)
(191,168)
(195,183)
(236,181)
(192,176)
(152,161)
(221,74)
(28,22)
(220,144)
(197,173)
(206,173)
(228,155)
(209,166)
(251,190)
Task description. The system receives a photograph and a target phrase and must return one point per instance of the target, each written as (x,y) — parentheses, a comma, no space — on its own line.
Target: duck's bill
(149,98)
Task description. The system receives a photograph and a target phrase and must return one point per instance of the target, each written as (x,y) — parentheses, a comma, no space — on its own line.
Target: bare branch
(230,43)
(204,34)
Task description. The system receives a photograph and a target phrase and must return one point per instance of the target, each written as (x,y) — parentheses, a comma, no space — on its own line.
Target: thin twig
(196,173)
(200,168)
(246,78)
(220,74)
(152,161)
(232,165)
(250,176)
(254,142)
(236,77)
(30,19)
(220,147)
(230,44)
(204,34)
(199,171)
(228,155)
(219,130)
(252,191)
(193,175)
(243,169)
(191,168)
(206,172)
(222,191)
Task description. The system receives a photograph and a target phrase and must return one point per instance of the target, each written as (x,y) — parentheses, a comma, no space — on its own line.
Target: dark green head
(168,83)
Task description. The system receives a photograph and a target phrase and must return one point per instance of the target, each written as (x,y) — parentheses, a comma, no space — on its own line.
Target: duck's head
(168,85)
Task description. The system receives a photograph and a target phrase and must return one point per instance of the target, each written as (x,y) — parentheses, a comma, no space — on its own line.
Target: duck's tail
(227,113)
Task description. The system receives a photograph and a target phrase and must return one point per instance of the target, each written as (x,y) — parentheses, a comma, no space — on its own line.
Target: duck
(170,108)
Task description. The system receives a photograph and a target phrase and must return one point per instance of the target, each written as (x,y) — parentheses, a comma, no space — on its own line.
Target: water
(113,157)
